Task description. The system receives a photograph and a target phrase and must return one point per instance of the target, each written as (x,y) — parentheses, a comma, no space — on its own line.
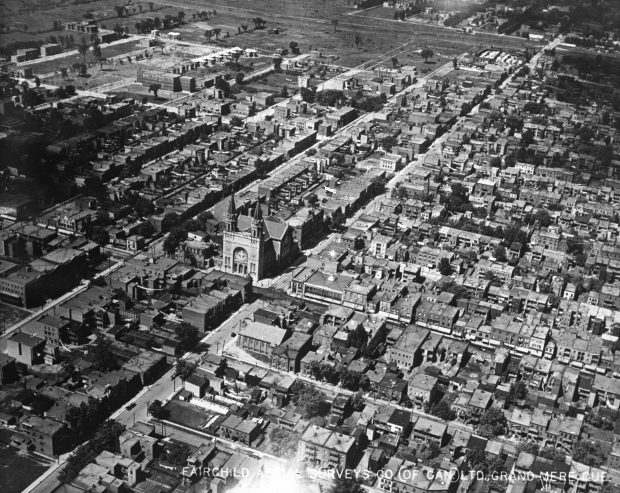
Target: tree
(552,454)
(358,337)
(156,409)
(105,438)
(388,142)
(518,390)
(395,62)
(445,269)
(174,238)
(96,48)
(429,451)
(346,483)
(310,401)
(335,24)
(103,358)
(458,200)
(329,97)
(500,254)
(99,235)
(466,108)
(307,94)
(427,53)
(30,98)
(177,453)
(239,76)
(181,16)
(154,88)
(443,410)
(589,453)
(350,380)
(283,442)
(455,63)
(120,10)
(542,216)
(529,447)
(209,34)
(184,369)
(358,40)
(258,23)
(188,340)
(294,46)
(223,86)
(527,138)
(477,460)
(492,423)
(146,229)
(236,121)
(357,401)
(83,48)
(216,32)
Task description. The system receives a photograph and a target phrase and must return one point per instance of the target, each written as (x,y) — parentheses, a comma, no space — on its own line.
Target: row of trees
(336,374)
(106,438)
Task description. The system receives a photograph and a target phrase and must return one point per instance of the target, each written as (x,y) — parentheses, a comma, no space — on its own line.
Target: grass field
(17,471)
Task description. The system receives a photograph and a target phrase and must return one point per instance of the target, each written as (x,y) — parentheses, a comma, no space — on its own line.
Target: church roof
(276,227)
(244,222)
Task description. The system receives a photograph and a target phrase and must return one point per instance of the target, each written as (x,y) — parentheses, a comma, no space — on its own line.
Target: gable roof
(268,333)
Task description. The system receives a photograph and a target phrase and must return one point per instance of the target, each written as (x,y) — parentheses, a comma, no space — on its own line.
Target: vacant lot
(186,414)
(10,315)
(17,471)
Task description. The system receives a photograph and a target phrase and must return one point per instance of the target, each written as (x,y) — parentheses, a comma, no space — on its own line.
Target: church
(255,245)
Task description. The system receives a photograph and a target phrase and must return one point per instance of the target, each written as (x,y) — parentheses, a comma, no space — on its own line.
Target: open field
(48,66)
(36,21)
(317,31)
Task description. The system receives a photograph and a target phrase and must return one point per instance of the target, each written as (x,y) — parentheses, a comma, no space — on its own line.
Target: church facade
(254,245)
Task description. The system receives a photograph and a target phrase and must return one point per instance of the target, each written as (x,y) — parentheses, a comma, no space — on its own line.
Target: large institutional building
(255,245)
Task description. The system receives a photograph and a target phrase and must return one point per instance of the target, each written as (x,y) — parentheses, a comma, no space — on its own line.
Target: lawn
(17,471)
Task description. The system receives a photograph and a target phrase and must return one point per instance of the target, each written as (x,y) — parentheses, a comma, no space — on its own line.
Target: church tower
(257,222)
(231,215)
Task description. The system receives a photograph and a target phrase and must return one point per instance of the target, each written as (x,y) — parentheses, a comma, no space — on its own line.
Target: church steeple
(231,215)
(257,221)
